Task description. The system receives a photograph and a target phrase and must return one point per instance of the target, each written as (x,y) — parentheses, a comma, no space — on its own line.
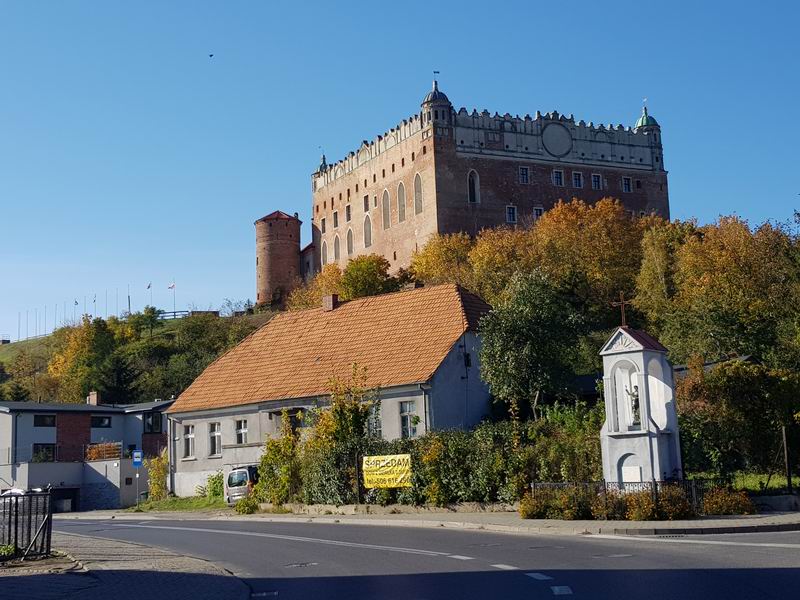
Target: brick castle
(446,171)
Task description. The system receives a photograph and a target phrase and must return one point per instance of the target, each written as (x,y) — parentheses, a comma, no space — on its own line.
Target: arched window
(324,254)
(401,202)
(336,253)
(367,232)
(386,209)
(474,186)
(417,194)
(349,242)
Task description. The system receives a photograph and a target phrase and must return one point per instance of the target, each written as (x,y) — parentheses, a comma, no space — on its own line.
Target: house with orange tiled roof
(419,347)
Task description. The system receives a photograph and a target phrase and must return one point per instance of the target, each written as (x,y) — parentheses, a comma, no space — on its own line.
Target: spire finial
(435,83)
(644,106)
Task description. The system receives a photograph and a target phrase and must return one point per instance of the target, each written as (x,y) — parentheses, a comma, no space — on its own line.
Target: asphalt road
(321,561)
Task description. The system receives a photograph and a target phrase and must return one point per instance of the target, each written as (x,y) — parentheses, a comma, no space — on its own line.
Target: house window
(241,431)
(44,453)
(597,182)
(324,253)
(366,203)
(538,211)
(401,203)
(367,232)
(336,253)
(335,219)
(374,422)
(386,209)
(626,184)
(524,175)
(214,439)
(188,441)
(408,419)
(101,422)
(511,214)
(417,194)
(349,242)
(473,188)
(638,184)
(44,420)
(152,422)
(348,213)
(322,224)
(577,179)
(558,178)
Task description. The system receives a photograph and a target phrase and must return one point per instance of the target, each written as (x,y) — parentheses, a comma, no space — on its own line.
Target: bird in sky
(210,56)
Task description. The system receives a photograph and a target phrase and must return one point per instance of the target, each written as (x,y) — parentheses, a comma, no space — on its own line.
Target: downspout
(171,453)
(426,409)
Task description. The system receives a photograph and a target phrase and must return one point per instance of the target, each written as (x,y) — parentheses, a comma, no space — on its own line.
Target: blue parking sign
(137,458)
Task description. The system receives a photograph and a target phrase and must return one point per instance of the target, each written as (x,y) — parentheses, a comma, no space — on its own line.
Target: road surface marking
(505,567)
(685,541)
(539,576)
(459,557)
(561,590)
(292,538)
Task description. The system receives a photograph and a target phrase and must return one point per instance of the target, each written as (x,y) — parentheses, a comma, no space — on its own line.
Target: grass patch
(191,503)
(752,482)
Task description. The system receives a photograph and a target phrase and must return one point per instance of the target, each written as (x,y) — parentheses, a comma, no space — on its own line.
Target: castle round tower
(277,257)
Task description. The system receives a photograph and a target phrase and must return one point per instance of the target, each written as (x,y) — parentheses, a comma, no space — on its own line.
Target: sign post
(137,463)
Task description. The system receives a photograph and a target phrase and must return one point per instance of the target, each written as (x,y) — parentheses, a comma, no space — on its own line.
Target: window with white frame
(538,211)
(511,214)
(558,178)
(374,423)
(524,175)
(241,431)
(188,441)
(577,179)
(597,181)
(214,439)
(626,184)
(408,419)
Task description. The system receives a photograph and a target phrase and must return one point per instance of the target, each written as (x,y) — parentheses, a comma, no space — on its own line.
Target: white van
(240,482)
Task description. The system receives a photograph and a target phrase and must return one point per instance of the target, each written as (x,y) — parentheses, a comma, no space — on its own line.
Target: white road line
(561,590)
(629,538)
(459,557)
(505,567)
(291,538)
(539,576)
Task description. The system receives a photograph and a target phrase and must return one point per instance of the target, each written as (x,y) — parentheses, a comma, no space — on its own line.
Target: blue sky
(127,155)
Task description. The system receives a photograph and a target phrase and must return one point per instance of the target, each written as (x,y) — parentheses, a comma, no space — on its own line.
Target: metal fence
(26,524)
(694,490)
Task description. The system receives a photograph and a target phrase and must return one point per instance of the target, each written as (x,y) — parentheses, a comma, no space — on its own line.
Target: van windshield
(237,478)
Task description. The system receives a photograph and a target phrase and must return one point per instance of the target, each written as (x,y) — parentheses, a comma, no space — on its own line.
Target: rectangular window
(577,180)
(408,419)
(188,441)
(374,423)
(214,439)
(241,431)
(152,422)
(626,184)
(511,214)
(538,211)
(558,178)
(638,184)
(348,214)
(44,420)
(335,219)
(366,203)
(597,182)
(524,175)
(44,453)
(322,224)
(101,422)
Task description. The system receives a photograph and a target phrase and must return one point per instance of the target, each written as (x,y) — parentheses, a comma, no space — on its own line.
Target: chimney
(93,398)
(330,302)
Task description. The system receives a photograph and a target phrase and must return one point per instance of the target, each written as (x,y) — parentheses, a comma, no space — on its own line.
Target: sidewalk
(505,522)
(109,569)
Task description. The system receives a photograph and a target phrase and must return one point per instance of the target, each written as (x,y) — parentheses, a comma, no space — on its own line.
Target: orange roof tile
(400,338)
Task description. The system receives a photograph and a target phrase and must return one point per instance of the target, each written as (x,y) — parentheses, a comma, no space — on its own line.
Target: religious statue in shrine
(634,398)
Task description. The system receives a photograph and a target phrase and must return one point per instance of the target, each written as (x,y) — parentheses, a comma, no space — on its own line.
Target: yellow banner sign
(389,471)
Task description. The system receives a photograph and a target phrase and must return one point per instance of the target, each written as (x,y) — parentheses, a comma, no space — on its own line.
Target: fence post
(695,505)
(16,525)
(655,495)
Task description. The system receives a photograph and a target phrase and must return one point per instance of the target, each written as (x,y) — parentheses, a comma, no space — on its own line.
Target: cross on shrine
(622,304)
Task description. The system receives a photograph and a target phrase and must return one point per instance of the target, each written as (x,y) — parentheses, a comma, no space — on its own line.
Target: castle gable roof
(278,215)
(400,338)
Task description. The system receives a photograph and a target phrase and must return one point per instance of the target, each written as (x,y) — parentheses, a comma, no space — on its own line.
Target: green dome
(646,120)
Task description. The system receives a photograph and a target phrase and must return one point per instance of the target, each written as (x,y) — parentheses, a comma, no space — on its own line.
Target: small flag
(149,285)
(171,286)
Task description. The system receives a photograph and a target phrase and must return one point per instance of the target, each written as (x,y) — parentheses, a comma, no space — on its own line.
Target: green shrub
(215,485)
(609,505)
(532,507)
(673,503)
(725,501)
(247,505)
(573,503)
(157,471)
(7,551)
(640,506)
(279,469)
